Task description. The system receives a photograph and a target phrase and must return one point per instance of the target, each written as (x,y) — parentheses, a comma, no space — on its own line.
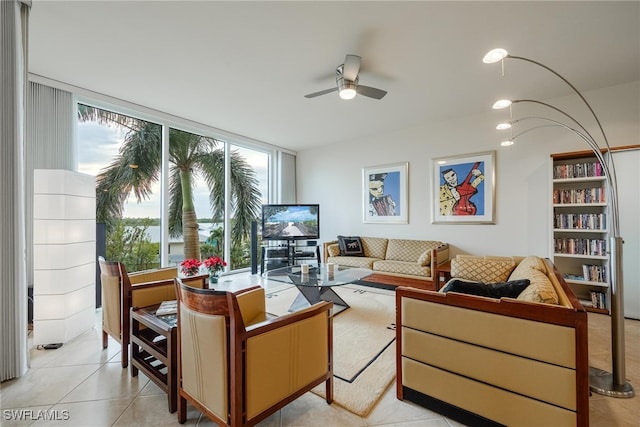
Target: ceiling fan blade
(322,92)
(371,92)
(351,67)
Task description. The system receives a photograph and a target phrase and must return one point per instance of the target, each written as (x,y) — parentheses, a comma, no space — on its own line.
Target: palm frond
(245,196)
(87,113)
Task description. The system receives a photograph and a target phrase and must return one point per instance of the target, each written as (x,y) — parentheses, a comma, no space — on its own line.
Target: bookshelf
(579,243)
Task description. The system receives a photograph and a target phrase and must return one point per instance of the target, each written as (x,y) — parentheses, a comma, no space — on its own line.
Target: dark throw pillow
(350,246)
(492,290)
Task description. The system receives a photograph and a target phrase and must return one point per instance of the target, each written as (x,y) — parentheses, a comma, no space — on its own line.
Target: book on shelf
(598,300)
(595,273)
(577,170)
(167,307)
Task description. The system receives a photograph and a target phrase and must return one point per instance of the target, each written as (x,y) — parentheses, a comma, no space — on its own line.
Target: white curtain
(49,145)
(14,16)
(287,176)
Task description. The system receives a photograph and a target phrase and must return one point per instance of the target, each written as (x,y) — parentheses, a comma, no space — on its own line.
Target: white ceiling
(244,66)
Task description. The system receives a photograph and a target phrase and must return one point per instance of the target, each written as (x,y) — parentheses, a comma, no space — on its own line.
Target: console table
(153,350)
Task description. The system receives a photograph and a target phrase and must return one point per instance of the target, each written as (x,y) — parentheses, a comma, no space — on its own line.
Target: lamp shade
(500,104)
(494,55)
(64,255)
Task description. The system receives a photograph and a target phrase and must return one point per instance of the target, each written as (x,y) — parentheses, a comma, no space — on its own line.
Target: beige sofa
(482,361)
(418,259)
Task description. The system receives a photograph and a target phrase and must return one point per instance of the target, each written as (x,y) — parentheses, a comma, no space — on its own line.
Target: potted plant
(215,265)
(190,267)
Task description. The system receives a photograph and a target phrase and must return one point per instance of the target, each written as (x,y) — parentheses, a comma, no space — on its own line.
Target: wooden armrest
(439,256)
(288,319)
(251,303)
(325,248)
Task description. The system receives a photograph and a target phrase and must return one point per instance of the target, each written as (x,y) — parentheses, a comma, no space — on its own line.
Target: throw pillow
(425,258)
(510,289)
(350,246)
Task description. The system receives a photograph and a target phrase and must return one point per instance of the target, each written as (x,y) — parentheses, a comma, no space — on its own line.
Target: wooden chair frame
(223,303)
(127,285)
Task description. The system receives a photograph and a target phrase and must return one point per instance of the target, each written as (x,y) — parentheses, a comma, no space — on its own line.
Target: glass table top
(318,275)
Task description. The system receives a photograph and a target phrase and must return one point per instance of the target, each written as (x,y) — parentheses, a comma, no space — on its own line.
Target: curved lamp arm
(610,384)
(613,188)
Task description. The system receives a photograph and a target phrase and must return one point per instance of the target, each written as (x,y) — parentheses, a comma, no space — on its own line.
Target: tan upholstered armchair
(238,366)
(121,291)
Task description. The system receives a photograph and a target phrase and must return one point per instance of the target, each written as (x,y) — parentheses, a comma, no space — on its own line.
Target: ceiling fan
(347,82)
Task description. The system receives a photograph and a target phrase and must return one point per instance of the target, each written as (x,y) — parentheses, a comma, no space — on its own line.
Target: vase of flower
(215,265)
(190,267)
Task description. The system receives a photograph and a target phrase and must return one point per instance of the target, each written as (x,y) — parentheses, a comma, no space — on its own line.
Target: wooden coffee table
(153,350)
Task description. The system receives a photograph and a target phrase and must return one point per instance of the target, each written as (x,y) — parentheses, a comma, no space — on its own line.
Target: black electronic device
(290,222)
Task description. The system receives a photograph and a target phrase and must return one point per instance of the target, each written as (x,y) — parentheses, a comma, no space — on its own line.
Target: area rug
(363,344)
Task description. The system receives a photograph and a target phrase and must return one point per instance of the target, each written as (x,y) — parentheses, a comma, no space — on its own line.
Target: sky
(99,144)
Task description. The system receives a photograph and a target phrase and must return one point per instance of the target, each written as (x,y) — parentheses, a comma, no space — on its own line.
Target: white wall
(331,175)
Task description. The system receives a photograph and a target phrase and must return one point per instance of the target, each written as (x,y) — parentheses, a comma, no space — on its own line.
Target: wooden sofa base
(450,411)
(391,281)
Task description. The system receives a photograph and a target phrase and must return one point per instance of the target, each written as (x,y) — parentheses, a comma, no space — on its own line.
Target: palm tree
(137,167)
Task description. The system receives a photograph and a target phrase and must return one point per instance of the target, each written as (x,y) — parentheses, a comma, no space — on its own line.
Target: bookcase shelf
(579,237)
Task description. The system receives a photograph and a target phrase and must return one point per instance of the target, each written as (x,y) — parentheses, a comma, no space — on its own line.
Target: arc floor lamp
(612,384)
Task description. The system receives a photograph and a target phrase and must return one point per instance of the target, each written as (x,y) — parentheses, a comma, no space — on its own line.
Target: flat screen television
(290,222)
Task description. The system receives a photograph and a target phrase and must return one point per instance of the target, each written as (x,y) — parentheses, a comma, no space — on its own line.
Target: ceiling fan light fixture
(348,93)
(346,89)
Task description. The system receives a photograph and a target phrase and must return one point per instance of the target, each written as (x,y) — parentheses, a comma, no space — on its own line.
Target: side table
(444,274)
(153,350)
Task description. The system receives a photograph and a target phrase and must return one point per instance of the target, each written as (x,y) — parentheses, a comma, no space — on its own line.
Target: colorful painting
(385,196)
(463,189)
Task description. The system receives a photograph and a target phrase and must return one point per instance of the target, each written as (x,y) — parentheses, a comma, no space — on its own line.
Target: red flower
(190,267)
(214,264)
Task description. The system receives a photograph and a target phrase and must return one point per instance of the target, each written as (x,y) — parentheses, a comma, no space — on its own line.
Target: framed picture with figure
(463,189)
(385,194)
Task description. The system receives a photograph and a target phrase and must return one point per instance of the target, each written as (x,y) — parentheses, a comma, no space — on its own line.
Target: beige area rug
(363,344)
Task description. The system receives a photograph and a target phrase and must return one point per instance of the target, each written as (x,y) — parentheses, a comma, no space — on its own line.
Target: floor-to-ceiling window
(124,154)
(213,186)
(247,166)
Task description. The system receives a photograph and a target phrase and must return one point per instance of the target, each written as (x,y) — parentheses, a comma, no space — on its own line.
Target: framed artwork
(463,189)
(385,193)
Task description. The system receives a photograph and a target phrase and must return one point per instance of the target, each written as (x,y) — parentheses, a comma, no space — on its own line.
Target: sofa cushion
(540,289)
(333,250)
(374,247)
(482,269)
(510,289)
(425,258)
(350,245)
(522,269)
(353,261)
(401,267)
(408,250)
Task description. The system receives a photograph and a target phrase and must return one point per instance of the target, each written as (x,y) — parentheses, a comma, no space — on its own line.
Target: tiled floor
(84,383)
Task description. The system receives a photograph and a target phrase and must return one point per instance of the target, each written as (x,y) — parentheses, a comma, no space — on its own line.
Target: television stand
(285,253)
